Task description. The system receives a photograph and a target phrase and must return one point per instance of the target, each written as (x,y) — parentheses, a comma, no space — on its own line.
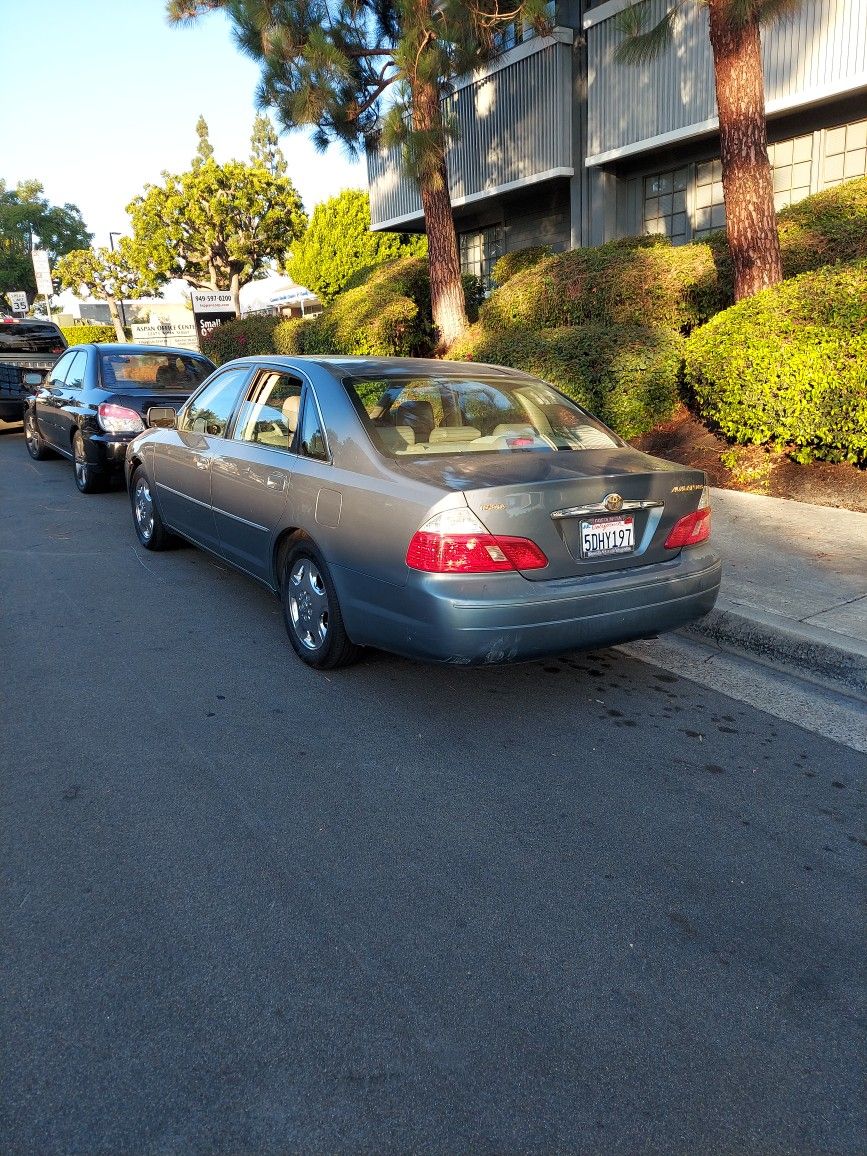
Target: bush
(628,377)
(88,334)
(517,262)
(789,366)
(636,282)
(240,338)
(828,227)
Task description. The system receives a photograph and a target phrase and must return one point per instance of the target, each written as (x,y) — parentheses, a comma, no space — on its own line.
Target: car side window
(269,414)
(210,410)
(312,439)
(75,373)
(58,373)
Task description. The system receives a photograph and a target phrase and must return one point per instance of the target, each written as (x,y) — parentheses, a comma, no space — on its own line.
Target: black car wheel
(33,439)
(311,610)
(87,477)
(148,524)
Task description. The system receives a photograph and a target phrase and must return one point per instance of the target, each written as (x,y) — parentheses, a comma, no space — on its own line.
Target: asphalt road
(583,905)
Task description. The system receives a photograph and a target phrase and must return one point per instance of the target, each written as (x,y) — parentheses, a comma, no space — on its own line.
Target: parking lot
(575,905)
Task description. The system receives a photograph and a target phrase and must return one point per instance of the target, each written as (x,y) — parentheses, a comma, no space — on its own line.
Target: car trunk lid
(590,511)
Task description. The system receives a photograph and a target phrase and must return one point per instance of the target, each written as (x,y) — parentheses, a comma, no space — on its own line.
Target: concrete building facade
(558,143)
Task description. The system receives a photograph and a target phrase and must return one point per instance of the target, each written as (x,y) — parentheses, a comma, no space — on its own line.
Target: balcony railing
(514,127)
(820,52)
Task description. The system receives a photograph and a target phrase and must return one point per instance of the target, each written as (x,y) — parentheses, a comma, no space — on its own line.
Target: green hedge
(518,261)
(87,334)
(636,282)
(826,228)
(627,376)
(789,366)
(242,337)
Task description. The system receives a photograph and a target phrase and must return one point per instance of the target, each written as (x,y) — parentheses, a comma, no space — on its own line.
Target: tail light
(118,419)
(456,542)
(693,528)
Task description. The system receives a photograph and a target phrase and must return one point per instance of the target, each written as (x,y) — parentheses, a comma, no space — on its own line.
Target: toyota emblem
(613,503)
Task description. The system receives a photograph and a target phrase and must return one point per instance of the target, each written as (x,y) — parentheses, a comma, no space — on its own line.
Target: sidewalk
(794,588)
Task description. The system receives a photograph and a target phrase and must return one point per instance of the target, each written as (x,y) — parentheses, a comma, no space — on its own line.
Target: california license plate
(603,537)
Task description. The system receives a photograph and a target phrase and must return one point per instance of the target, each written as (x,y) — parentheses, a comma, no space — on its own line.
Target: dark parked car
(29,347)
(96,399)
(446,511)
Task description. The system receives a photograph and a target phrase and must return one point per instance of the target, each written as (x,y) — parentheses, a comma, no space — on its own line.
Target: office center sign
(211,307)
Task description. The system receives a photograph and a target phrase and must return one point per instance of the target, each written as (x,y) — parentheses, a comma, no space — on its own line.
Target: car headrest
(291,406)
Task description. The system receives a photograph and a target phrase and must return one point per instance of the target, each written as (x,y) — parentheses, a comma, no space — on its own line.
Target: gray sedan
(446,511)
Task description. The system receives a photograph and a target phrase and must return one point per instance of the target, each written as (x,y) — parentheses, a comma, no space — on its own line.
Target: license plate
(603,537)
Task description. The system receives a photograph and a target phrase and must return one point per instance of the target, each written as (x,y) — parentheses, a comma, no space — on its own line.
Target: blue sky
(99,96)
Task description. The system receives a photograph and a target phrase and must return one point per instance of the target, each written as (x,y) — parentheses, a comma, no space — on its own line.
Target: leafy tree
(205,150)
(216,226)
(734,25)
(28,221)
(339,243)
(333,66)
(110,275)
(265,150)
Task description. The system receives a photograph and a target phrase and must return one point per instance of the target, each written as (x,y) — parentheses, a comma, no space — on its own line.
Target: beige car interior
(270,415)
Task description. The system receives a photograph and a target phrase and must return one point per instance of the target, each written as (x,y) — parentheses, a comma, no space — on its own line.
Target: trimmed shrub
(828,227)
(242,337)
(636,282)
(789,366)
(626,376)
(517,262)
(88,334)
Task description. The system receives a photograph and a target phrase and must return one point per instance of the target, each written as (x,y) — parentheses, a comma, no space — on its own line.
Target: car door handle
(276,482)
(201,463)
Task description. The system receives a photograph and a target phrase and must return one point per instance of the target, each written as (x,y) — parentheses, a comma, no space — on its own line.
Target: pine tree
(330,65)
(734,25)
(265,148)
(205,150)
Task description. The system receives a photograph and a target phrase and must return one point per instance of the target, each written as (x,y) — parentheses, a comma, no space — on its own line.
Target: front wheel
(148,524)
(311,610)
(33,439)
(86,475)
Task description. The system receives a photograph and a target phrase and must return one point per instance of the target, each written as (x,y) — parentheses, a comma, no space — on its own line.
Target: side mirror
(163,417)
(33,379)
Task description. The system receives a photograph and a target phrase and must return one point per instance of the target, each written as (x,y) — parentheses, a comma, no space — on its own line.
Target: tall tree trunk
(751,223)
(235,287)
(114,314)
(446,291)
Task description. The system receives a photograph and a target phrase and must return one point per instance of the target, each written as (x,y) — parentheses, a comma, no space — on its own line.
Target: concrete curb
(832,660)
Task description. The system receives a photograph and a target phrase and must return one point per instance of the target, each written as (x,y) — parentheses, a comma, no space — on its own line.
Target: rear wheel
(33,439)
(87,477)
(148,524)
(311,610)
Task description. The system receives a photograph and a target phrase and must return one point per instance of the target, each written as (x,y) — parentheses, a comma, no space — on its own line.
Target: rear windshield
(454,415)
(30,337)
(170,371)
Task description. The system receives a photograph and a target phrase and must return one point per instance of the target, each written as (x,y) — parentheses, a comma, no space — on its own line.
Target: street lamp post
(111,238)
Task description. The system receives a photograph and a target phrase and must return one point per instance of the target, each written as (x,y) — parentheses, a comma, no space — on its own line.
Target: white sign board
(42,269)
(212,301)
(18,302)
(181,333)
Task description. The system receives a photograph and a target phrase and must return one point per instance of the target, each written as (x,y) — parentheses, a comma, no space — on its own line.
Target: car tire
(149,527)
(87,477)
(311,611)
(33,439)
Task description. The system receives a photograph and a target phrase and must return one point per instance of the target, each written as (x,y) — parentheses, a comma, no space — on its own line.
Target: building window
(709,211)
(479,251)
(792,164)
(845,153)
(665,204)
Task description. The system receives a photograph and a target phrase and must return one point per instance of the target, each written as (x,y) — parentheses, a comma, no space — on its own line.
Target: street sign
(210,309)
(18,302)
(42,269)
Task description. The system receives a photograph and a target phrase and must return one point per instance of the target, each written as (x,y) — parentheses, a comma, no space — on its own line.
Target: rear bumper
(107,451)
(506,618)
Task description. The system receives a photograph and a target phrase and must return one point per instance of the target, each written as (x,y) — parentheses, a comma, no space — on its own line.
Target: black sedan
(446,511)
(96,400)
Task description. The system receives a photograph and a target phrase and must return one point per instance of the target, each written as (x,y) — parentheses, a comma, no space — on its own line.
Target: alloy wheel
(143,509)
(308,604)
